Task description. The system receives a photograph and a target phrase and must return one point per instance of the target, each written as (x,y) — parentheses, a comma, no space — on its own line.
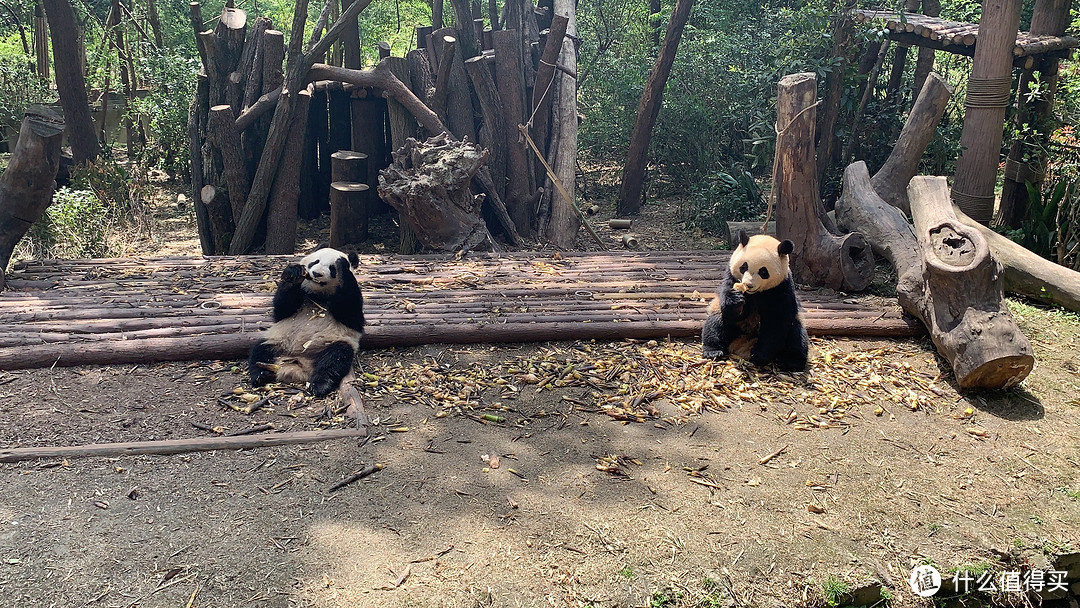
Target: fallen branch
(177,446)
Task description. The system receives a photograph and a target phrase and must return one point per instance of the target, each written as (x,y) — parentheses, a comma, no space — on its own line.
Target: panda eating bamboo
(755,314)
(318,321)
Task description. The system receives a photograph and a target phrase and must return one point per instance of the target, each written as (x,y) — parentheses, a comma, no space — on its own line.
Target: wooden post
(219,212)
(565,220)
(349,166)
(350,39)
(510,79)
(1050,18)
(493,136)
(285,193)
(27,184)
(925,62)
(222,132)
(896,76)
(821,257)
(348,213)
(369,136)
(988,94)
(543,92)
(632,188)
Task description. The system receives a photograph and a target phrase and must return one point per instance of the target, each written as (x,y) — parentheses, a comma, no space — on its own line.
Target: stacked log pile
(111,311)
(263,137)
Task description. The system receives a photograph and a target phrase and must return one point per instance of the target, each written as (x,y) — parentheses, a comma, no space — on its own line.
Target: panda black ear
(743,238)
(320,246)
(785,247)
(354,260)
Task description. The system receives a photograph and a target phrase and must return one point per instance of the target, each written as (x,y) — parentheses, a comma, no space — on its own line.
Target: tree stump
(821,258)
(348,213)
(428,184)
(27,184)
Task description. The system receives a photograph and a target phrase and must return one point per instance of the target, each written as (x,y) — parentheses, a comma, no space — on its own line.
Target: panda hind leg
(332,365)
(713,345)
(262,354)
(795,356)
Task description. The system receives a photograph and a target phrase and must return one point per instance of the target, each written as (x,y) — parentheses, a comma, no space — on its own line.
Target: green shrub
(19,87)
(732,195)
(76,225)
(170,78)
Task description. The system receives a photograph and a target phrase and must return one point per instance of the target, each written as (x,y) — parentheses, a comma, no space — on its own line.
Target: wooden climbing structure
(82,312)
(915,29)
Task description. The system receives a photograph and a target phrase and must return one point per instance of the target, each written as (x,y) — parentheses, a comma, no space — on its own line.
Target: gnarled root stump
(428,184)
(947,278)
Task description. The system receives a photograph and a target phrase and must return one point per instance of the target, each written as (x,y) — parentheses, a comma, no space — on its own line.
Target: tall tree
(633,176)
(70,82)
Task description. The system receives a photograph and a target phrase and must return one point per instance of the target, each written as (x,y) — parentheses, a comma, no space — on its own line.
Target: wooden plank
(178,446)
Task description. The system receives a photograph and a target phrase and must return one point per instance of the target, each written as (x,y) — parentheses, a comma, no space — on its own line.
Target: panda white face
(760,263)
(325,268)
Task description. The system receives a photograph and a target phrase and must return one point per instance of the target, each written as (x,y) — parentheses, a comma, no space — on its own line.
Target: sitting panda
(318,321)
(755,314)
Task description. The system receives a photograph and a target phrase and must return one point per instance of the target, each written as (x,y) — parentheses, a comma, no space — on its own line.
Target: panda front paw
(713,353)
(321,387)
(293,273)
(262,377)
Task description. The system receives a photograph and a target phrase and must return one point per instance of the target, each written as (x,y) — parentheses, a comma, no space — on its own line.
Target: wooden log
(261,106)
(196,20)
(308,206)
(442,79)
(987,98)
(350,39)
(510,80)
(384,49)
(369,136)
(219,212)
(890,182)
(319,124)
(178,446)
(565,219)
(349,166)
(540,107)
(495,129)
(924,64)
(195,160)
(222,132)
(348,213)
(821,258)
(468,45)
(1028,274)
(245,81)
(285,193)
(26,185)
(459,106)
(962,300)
(402,123)
(750,228)
(420,79)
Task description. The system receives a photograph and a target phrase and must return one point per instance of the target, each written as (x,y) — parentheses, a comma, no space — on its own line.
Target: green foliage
(627,572)
(19,88)
(834,590)
(1052,225)
(724,196)
(76,225)
(170,78)
(664,598)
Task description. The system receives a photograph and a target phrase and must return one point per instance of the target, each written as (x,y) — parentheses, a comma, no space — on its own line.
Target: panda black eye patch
(763,273)
(311,264)
(744,267)
(333,271)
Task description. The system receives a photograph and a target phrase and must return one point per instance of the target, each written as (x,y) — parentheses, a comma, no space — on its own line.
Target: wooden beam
(178,446)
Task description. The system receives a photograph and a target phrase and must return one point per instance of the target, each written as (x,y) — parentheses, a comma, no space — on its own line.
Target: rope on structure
(779,136)
(973,205)
(988,92)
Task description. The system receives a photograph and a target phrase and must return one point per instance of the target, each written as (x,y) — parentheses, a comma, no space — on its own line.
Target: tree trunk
(543,89)
(892,179)
(633,174)
(70,82)
(219,213)
(821,258)
(495,129)
(350,39)
(222,133)
(285,193)
(202,218)
(925,63)
(26,186)
(565,220)
(1050,18)
(988,95)
(896,76)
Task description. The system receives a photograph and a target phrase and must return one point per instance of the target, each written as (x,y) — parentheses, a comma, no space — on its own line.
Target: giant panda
(755,314)
(318,321)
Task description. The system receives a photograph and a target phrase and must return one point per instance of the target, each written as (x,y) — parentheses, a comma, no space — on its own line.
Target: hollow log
(26,186)
(428,184)
(821,258)
(348,213)
(947,278)
(892,179)
(962,300)
(1029,274)
(285,193)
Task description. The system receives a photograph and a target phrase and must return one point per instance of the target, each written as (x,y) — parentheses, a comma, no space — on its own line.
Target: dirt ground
(531,475)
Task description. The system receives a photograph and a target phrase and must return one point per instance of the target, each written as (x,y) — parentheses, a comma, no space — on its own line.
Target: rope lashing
(988,92)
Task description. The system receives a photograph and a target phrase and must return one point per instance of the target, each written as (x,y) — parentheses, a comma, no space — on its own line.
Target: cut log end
(1002,373)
